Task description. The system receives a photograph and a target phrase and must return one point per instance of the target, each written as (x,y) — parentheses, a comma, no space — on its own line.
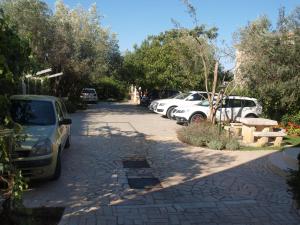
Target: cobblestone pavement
(198,186)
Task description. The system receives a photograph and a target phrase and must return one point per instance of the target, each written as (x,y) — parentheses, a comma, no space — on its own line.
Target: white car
(153,105)
(232,108)
(165,107)
(89,95)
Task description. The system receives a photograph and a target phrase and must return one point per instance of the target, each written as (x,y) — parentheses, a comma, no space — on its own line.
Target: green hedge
(110,88)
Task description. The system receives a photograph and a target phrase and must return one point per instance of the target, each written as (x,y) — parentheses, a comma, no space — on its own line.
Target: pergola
(41,76)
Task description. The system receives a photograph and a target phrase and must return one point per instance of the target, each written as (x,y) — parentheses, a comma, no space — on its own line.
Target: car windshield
(175,95)
(32,112)
(88,91)
(182,95)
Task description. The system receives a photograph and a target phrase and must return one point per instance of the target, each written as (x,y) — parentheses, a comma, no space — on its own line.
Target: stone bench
(263,137)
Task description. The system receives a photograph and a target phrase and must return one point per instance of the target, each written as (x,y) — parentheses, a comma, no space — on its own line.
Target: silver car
(46,130)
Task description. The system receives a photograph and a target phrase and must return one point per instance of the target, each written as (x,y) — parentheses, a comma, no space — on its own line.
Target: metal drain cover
(144,183)
(137,163)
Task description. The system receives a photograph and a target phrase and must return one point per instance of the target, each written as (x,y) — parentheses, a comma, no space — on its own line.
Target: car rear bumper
(89,99)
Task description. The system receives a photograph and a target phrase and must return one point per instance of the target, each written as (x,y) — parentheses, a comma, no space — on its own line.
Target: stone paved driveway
(198,186)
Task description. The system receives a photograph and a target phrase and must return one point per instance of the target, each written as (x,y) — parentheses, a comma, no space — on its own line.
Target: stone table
(250,125)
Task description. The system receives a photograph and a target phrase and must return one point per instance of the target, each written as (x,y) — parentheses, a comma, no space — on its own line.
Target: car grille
(20,154)
(33,163)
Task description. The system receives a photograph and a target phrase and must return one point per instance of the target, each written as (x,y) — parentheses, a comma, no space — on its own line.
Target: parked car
(232,108)
(89,95)
(46,130)
(153,105)
(165,107)
(157,94)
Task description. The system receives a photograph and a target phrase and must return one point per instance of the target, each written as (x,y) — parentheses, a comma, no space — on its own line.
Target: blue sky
(133,20)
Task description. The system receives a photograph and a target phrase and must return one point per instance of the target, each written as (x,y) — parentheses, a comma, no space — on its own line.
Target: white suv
(166,106)
(233,107)
(89,95)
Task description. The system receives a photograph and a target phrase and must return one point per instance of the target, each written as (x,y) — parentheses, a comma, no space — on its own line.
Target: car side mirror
(65,122)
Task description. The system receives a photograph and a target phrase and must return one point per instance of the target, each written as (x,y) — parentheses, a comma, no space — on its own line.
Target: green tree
(269,63)
(71,41)
(14,61)
(14,56)
(164,61)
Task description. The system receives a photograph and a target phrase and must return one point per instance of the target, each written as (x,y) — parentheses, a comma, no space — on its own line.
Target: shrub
(110,88)
(206,134)
(71,107)
(232,144)
(217,144)
(198,134)
(291,118)
(291,122)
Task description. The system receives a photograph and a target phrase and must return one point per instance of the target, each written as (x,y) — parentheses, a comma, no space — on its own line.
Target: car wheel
(197,118)
(169,112)
(251,116)
(68,142)
(57,171)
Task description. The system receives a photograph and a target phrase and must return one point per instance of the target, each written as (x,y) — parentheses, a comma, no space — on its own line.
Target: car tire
(57,171)
(197,118)
(68,142)
(169,112)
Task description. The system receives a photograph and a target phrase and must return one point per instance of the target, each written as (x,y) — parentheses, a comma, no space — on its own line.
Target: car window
(196,97)
(59,111)
(32,112)
(182,95)
(204,95)
(248,103)
(233,103)
(204,103)
(236,103)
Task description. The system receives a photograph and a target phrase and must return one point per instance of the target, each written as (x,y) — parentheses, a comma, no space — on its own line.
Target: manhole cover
(144,183)
(135,163)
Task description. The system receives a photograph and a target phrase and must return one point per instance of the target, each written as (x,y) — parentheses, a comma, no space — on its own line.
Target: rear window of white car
(88,91)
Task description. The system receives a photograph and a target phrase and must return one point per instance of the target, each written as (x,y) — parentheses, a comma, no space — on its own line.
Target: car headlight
(162,104)
(42,147)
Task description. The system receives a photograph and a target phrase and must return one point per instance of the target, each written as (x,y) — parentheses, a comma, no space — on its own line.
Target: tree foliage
(165,61)
(14,56)
(71,41)
(270,62)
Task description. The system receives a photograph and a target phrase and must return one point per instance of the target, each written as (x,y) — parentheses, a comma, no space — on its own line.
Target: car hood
(33,134)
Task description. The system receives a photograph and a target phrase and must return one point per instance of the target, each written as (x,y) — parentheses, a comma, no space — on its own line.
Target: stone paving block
(216,186)
(174,220)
